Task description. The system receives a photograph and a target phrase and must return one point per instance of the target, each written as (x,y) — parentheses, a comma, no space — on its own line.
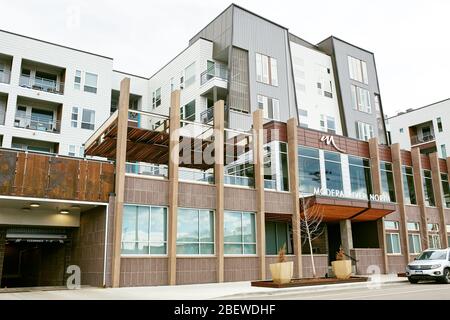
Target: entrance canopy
(334,209)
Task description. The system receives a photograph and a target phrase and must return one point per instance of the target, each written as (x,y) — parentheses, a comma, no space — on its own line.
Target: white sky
(410,38)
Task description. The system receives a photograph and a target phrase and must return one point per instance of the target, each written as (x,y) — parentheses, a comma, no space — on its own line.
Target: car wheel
(446,277)
(411,280)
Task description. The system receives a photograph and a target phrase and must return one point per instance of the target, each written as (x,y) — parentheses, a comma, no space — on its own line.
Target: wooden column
(174,157)
(258,154)
(374,154)
(438,196)
(398,186)
(294,188)
(219,132)
(121,151)
(420,195)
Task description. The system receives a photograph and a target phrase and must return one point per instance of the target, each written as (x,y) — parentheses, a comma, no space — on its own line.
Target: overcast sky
(410,38)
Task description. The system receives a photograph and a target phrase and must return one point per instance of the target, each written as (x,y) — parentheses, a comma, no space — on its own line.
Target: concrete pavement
(229,290)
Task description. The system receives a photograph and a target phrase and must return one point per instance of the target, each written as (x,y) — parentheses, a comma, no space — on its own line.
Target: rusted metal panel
(35,180)
(7,171)
(107,180)
(92,190)
(63,186)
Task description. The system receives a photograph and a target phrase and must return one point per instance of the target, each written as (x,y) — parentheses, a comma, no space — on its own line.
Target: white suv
(431,264)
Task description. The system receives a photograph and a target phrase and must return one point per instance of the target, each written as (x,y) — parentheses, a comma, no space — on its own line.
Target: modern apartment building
(425,128)
(204,170)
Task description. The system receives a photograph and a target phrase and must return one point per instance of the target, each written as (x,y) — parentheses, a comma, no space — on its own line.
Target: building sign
(351,195)
(329,140)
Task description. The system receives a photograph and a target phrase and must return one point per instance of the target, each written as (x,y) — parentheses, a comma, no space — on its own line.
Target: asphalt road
(398,291)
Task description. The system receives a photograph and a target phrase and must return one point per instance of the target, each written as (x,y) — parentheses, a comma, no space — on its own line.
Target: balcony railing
(239,181)
(36,123)
(196,176)
(207,115)
(422,139)
(5,76)
(219,71)
(41,84)
(147,169)
(270,184)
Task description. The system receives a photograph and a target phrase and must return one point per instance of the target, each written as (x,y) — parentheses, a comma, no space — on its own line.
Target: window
(433,227)
(303,118)
(358,70)
(72,150)
(88,119)
(195,231)
(409,191)
(189,75)
(439,124)
(276,170)
(387,180)
(333,171)
(172,84)
(365,131)
(443,151)
(77,80)
(270,107)
(445,189)
(328,124)
(90,82)
(156,100)
(415,246)
(392,238)
(74,117)
(360,177)
(360,99)
(277,235)
(266,69)
(413,226)
(309,169)
(401,130)
(239,232)
(428,188)
(434,241)
(187,112)
(144,230)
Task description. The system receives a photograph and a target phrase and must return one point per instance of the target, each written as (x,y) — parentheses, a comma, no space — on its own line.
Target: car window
(433,255)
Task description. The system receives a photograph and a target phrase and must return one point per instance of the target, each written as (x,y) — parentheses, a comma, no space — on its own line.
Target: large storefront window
(277,235)
(276,172)
(428,188)
(409,192)
(239,233)
(195,231)
(392,237)
(360,178)
(309,169)
(333,171)
(445,189)
(144,230)
(387,180)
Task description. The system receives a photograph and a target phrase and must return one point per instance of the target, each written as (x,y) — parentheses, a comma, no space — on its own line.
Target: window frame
(242,243)
(264,65)
(84,123)
(95,89)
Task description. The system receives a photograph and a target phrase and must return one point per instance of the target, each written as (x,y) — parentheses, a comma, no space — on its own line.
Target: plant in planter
(282,270)
(342,267)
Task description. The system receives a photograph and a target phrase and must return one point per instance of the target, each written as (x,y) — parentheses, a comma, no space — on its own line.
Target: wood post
(439,196)
(121,151)
(294,188)
(420,195)
(258,154)
(219,140)
(174,157)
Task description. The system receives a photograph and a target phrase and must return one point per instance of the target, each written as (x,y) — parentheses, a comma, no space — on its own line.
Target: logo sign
(352,195)
(329,140)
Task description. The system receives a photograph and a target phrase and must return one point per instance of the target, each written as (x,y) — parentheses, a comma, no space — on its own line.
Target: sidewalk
(228,290)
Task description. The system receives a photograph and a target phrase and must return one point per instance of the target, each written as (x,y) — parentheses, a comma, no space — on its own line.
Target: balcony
(5,77)
(41,84)
(218,71)
(415,140)
(35,122)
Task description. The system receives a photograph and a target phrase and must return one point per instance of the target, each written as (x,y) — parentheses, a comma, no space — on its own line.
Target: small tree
(311,226)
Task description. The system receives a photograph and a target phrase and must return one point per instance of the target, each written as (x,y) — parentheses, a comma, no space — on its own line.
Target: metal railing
(5,77)
(207,115)
(153,170)
(196,175)
(36,123)
(422,139)
(41,84)
(270,184)
(239,181)
(219,71)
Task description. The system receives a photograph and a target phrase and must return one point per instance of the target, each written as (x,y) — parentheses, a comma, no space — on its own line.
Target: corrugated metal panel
(239,80)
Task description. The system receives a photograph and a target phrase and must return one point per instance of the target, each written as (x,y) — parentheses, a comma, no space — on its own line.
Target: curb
(324,288)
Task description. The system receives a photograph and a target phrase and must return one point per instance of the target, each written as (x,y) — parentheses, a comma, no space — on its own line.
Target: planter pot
(282,272)
(342,268)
